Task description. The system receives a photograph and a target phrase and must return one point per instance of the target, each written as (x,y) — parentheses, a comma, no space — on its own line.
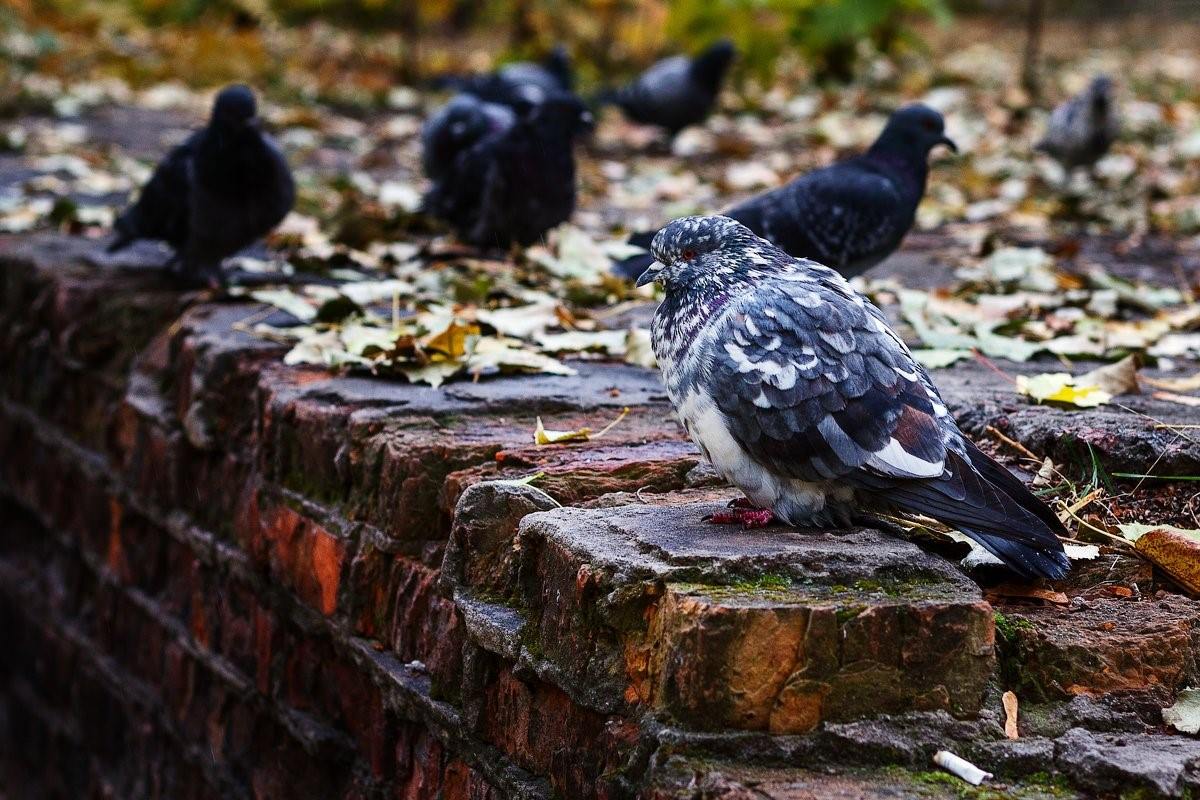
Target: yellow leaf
(542,436)
(451,342)
(1059,387)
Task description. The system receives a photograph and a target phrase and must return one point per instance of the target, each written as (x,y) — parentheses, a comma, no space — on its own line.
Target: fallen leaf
(1181,399)
(1022,591)
(542,436)
(288,301)
(933,358)
(452,341)
(638,349)
(1173,384)
(1060,387)
(1010,715)
(608,342)
(1184,716)
(1175,553)
(1113,379)
(1136,530)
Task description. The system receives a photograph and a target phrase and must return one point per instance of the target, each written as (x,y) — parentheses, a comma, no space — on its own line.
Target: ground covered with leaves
(1080,290)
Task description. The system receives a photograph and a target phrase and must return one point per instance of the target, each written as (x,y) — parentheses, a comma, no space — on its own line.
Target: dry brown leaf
(1016,590)
(1173,384)
(1175,554)
(1181,399)
(1116,379)
(1010,715)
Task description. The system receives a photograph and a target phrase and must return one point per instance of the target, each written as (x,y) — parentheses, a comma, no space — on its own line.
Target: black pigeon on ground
(456,126)
(1082,129)
(795,388)
(519,81)
(513,185)
(850,215)
(226,186)
(677,92)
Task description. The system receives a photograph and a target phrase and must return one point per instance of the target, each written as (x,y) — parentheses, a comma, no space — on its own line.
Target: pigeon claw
(742,514)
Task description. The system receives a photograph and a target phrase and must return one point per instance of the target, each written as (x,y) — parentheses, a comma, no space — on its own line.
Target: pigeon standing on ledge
(850,215)
(519,81)
(1082,129)
(795,388)
(514,184)
(225,187)
(676,92)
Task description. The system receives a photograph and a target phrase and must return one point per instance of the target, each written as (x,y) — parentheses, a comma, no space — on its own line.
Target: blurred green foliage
(829,34)
(609,34)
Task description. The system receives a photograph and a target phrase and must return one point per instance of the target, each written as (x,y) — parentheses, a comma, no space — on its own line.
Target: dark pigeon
(513,185)
(1082,129)
(521,81)
(795,388)
(677,92)
(850,215)
(457,126)
(226,186)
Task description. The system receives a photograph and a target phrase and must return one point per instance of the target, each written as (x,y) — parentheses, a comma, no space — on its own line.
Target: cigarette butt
(960,767)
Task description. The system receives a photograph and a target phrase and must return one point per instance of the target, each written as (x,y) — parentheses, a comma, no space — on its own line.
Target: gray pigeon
(850,215)
(795,388)
(457,126)
(676,92)
(226,186)
(519,81)
(1082,129)
(512,185)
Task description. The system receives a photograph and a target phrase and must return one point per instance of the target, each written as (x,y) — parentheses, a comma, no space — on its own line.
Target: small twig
(624,413)
(1014,444)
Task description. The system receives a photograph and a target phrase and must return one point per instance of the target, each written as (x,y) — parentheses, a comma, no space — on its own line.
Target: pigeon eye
(688,254)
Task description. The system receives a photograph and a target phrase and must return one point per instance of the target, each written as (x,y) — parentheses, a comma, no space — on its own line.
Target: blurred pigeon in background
(850,215)
(1082,129)
(795,388)
(514,184)
(676,92)
(226,186)
(456,126)
(519,81)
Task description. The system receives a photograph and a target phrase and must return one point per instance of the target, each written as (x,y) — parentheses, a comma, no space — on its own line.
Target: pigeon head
(1100,92)
(235,107)
(710,66)
(915,128)
(699,249)
(558,64)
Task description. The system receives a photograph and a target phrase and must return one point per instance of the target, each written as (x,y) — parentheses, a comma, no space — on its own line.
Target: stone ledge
(634,608)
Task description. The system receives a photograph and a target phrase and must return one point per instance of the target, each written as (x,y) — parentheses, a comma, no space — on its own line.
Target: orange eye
(688,254)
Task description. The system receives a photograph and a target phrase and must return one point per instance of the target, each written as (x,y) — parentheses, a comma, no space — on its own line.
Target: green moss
(1008,628)
(763,583)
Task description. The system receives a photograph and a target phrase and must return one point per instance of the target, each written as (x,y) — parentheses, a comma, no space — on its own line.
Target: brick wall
(221,575)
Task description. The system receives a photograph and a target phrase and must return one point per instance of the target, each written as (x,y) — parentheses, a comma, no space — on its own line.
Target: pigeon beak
(649,276)
(946,140)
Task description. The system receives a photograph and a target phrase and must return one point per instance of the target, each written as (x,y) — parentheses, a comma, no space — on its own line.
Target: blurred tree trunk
(523,33)
(409,24)
(1031,77)
(463,15)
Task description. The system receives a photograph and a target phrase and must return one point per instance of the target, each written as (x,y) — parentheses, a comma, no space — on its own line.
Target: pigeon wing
(839,216)
(815,386)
